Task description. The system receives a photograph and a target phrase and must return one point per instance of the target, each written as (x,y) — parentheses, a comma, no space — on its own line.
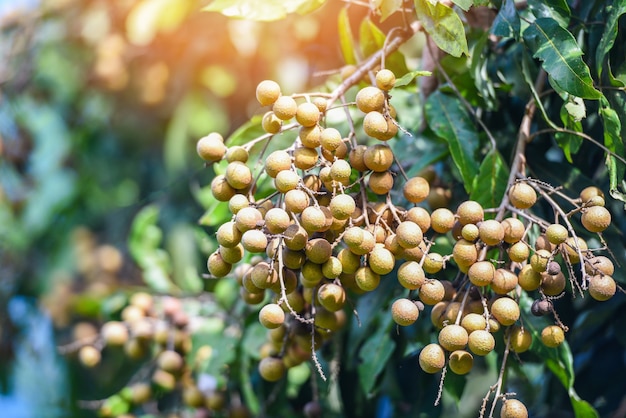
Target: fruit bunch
(344,216)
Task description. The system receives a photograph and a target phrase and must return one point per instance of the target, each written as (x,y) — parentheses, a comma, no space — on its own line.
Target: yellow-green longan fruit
(460,362)
(552,336)
(370,99)
(267,91)
(432,358)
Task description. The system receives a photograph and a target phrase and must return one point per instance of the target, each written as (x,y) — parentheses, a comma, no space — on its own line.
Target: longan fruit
(370,99)
(411,275)
(520,339)
(432,358)
(512,408)
(439,197)
(588,193)
(310,136)
(376,125)
(331,296)
(539,260)
(431,292)
(366,279)
(296,201)
(340,171)
(381,260)
(552,336)
(342,206)
(221,190)
(356,158)
(513,230)
(404,312)
(464,254)
(602,287)
(276,162)
(321,103)
(572,245)
(217,266)
(254,241)
(522,195)
(380,183)
(385,79)
(114,333)
(318,250)
(442,220)
(481,342)
(271,123)
(409,234)
(246,219)
(541,307)
(473,322)
(251,298)
(286,180)
(211,148)
(491,232)
(332,268)
(89,356)
(295,237)
(469,232)
(378,157)
(305,158)
(263,276)
(453,337)
(308,114)
(359,240)
(553,285)
(505,310)
(237,153)
(170,361)
(481,273)
(350,261)
(433,263)
(556,234)
(528,278)
(271,369)
(238,202)
(416,189)
(518,252)
(460,362)
(596,218)
(599,265)
(337,154)
(470,212)
(267,91)
(285,107)
(330,139)
(231,255)
(312,219)
(271,316)
(420,216)
(238,175)
(504,281)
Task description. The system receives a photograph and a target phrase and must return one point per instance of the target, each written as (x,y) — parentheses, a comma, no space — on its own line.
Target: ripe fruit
(453,337)
(470,212)
(481,342)
(552,336)
(359,240)
(411,275)
(599,265)
(310,135)
(491,232)
(553,284)
(522,195)
(556,233)
(271,369)
(89,356)
(513,230)
(602,287)
(238,175)
(473,322)
(270,123)
(465,254)
(277,220)
(267,91)
(170,361)
(381,260)
(596,218)
(520,339)
(221,190)
(330,139)
(378,157)
(572,245)
(409,234)
(114,333)
(385,79)
(331,296)
(432,292)
(366,279)
(404,312)
(433,263)
(254,241)
(271,316)
(528,278)
(518,252)
(217,266)
(342,206)
(505,310)
(481,273)
(296,201)
(416,189)
(432,358)
(305,158)
(442,220)
(285,107)
(588,193)
(461,362)
(211,148)
(512,408)
(276,162)
(370,99)
(312,219)
(308,114)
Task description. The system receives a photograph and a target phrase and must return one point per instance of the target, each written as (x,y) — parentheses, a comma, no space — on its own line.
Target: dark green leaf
(490,184)
(507,21)
(613,141)
(561,58)
(449,120)
(346,39)
(555,9)
(443,25)
(262,10)
(374,355)
(479,70)
(614,11)
(409,77)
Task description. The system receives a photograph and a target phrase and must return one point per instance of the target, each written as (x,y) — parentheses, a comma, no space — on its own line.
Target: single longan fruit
(416,189)
(211,148)
(263,276)
(285,107)
(505,310)
(464,254)
(512,408)
(286,180)
(528,278)
(232,255)
(599,265)
(330,139)
(433,263)
(572,245)
(381,183)
(370,99)
(378,157)
(366,279)
(295,237)
(238,175)
(439,197)
(238,202)
(114,333)
(331,296)
(89,356)
(469,232)
(312,219)
(305,158)
(338,154)
(432,292)
(217,266)
(170,361)
(522,195)
(271,369)
(491,232)
(588,193)
(276,162)
(470,212)
(553,284)
(513,230)
(596,218)
(460,362)
(420,216)
(539,260)
(481,273)
(271,316)
(237,153)
(296,201)
(385,79)
(271,123)
(473,322)
(318,250)
(552,336)
(442,220)
(381,260)
(340,171)
(432,358)
(356,158)
(310,136)
(254,241)
(481,342)
(246,219)
(409,234)
(541,307)
(404,312)
(308,114)
(556,234)
(602,287)
(518,252)
(376,125)
(359,241)
(520,339)
(267,91)
(411,275)
(342,206)
(221,190)
(453,337)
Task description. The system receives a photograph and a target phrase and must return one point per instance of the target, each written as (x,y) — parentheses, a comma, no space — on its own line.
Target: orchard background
(108,215)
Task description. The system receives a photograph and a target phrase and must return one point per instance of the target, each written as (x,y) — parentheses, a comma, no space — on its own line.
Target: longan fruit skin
(370,99)
(512,408)
(308,114)
(271,369)
(552,336)
(505,310)
(470,212)
(522,195)
(416,189)
(432,358)
(481,273)
(285,107)
(431,292)
(385,79)
(404,312)
(411,275)
(453,337)
(596,219)
(481,342)
(211,148)
(513,230)
(520,339)
(267,91)
(442,220)
(271,316)
(602,287)
(460,362)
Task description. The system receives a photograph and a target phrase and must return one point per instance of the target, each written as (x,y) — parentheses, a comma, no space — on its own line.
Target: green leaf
(443,25)
(449,120)
(614,12)
(570,143)
(181,245)
(374,355)
(372,39)
(409,77)
(464,4)
(507,21)
(346,39)
(262,10)
(555,9)
(490,184)
(387,7)
(613,141)
(479,70)
(561,58)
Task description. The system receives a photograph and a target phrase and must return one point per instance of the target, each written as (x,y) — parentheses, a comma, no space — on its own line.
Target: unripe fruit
(114,333)
(193,397)
(513,230)
(211,148)
(271,369)
(311,274)
(596,219)
(381,260)
(529,279)
(238,175)
(359,240)
(217,266)
(342,206)
(481,342)
(308,114)
(385,79)
(270,123)
(556,234)
(170,361)
(409,234)
(512,408)
(432,358)
(285,107)
(522,195)
(332,268)
(552,336)
(296,201)
(381,183)
(89,356)
(330,139)
(539,260)
(221,190)
(453,337)
(518,252)
(442,220)
(433,263)
(505,310)
(331,296)
(469,232)
(520,339)
(254,241)
(481,273)
(276,162)
(267,91)
(432,292)
(366,279)
(460,362)
(237,153)
(602,287)
(271,316)
(305,158)
(470,212)
(404,312)
(277,220)
(378,157)
(411,275)
(370,99)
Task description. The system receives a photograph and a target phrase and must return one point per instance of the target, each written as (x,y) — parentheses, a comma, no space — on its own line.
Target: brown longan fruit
(404,312)
(330,139)
(380,183)
(453,337)
(238,202)
(271,369)
(464,254)
(522,195)
(318,250)
(321,103)
(312,219)
(416,189)
(432,358)
(481,342)
(211,148)
(381,260)
(528,278)
(237,153)
(285,107)
(267,91)
(310,136)
(588,193)
(338,154)
(469,232)
(89,356)
(481,273)
(572,245)
(602,287)
(378,157)
(238,175)
(420,216)
(254,241)
(513,230)
(504,281)
(221,190)
(370,99)
(296,201)
(470,212)
(247,218)
(228,235)
(217,266)
(366,279)
(232,255)
(596,218)
(376,125)
(295,237)
(411,275)
(170,361)
(512,408)
(599,265)
(409,234)
(263,276)
(442,220)
(520,339)
(356,158)
(385,79)
(505,310)
(460,362)
(432,292)
(308,114)
(553,285)
(305,158)
(552,336)
(491,232)
(439,197)
(473,322)
(340,171)
(271,123)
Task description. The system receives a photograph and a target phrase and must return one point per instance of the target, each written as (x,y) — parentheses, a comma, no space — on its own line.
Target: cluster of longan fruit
(332,228)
